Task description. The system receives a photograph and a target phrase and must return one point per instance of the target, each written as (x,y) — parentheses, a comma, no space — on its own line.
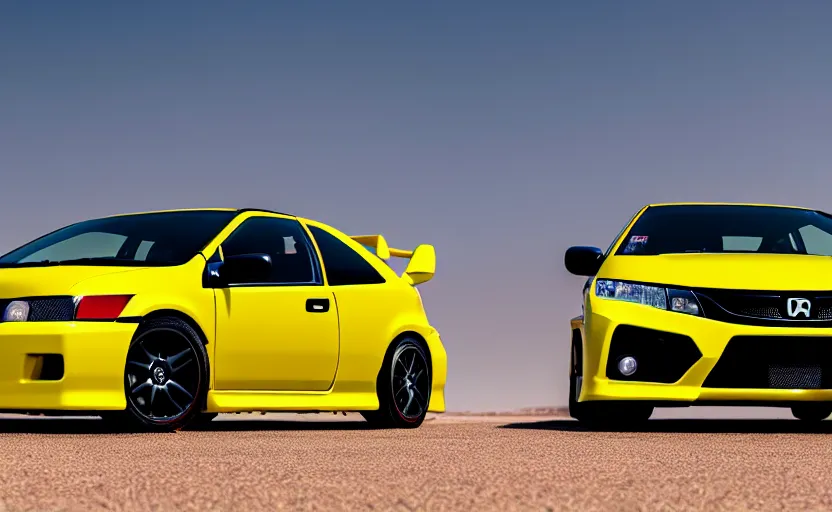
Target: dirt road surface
(261,463)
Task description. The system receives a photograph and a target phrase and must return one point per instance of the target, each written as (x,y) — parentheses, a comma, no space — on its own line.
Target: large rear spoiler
(422,265)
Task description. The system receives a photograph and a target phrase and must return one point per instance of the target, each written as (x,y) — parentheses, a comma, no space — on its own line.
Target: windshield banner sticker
(635,245)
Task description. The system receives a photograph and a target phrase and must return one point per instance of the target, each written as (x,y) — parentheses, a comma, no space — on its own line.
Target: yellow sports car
(164,319)
(694,304)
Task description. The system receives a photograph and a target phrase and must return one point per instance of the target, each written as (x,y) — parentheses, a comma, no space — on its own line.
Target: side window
(342,264)
(293,261)
(816,240)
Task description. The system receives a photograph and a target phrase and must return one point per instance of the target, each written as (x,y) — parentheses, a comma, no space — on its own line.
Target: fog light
(627,366)
(16,311)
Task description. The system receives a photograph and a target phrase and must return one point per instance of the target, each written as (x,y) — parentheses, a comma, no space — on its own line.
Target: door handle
(317,305)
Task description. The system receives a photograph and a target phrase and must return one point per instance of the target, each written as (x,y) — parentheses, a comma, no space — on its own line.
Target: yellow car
(167,318)
(705,304)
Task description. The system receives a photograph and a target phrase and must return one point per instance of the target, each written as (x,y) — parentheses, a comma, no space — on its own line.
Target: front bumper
(681,375)
(85,361)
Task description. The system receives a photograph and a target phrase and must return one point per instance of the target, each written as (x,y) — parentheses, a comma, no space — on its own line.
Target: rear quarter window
(342,265)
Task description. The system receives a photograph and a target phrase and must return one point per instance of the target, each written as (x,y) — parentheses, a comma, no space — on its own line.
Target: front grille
(774,362)
(761,312)
(46,309)
(765,307)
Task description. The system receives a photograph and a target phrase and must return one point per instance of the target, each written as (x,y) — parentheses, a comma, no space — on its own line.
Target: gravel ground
(448,464)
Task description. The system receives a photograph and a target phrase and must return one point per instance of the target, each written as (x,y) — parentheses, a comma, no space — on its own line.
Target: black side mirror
(239,269)
(583,261)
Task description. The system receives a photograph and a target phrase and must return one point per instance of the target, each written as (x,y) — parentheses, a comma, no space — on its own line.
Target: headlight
(669,299)
(16,311)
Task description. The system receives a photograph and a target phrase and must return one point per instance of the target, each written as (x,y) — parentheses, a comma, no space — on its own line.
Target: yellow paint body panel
(266,353)
(719,270)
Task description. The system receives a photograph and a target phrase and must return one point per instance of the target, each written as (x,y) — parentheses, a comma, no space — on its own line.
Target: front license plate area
(795,377)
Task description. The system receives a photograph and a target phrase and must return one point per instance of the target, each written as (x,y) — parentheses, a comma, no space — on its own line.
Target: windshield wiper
(42,263)
(98,260)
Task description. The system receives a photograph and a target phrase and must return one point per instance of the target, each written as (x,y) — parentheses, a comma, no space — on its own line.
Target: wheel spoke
(141,386)
(172,359)
(144,366)
(416,391)
(149,355)
(167,392)
(412,362)
(404,386)
(176,385)
(186,363)
(409,401)
(152,398)
(418,375)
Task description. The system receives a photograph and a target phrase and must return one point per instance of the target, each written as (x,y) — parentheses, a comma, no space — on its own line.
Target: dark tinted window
(282,239)
(165,238)
(729,229)
(342,264)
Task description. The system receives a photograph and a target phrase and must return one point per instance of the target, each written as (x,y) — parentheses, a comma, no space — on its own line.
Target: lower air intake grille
(795,377)
(51,310)
(774,362)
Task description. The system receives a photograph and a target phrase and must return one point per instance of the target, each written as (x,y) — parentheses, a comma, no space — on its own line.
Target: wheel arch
(388,353)
(191,322)
(175,313)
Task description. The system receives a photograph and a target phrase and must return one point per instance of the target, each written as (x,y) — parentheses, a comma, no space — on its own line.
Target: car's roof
(238,210)
(728,204)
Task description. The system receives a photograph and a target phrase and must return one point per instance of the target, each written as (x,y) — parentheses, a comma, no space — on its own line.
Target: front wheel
(165,376)
(403,387)
(615,413)
(812,412)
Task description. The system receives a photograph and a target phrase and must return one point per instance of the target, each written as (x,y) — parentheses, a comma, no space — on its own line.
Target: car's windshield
(151,239)
(729,229)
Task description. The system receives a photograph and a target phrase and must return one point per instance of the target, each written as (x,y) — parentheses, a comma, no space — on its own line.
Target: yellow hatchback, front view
(164,319)
(717,304)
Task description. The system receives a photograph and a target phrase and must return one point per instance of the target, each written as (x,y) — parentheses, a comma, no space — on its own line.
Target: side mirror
(583,261)
(422,265)
(241,268)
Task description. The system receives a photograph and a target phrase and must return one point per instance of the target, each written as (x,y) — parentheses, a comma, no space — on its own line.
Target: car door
(367,307)
(279,335)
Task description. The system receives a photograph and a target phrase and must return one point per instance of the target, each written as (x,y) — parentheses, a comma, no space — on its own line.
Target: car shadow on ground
(63,426)
(687,426)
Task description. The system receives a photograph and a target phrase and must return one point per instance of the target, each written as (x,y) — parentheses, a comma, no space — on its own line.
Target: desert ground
(529,461)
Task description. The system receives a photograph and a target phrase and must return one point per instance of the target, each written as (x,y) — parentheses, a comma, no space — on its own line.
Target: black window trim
(313,256)
(321,256)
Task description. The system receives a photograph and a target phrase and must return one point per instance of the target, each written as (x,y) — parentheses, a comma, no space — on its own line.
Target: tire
(403,387)
(576,409)
(598,413)
(201,420)
(165,376)
(812,412)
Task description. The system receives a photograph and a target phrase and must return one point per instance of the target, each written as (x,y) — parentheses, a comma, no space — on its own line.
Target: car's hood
(734,271)
(44,281)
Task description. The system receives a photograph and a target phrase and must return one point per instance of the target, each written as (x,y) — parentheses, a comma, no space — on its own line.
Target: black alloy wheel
(165,375)
(404,387)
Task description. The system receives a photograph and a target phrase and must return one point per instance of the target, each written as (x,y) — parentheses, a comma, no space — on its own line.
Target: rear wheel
(403,387)
(812,412)
(165,375)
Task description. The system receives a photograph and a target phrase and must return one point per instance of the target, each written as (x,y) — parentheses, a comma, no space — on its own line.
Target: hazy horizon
(500,132)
